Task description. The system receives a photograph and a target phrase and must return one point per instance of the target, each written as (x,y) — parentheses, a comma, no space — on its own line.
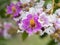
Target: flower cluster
(32,17)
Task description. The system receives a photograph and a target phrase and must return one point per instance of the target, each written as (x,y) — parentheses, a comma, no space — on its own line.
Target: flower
(13,9)
(5,31)
(57,23)
(43,19)
(9,30)
(31,24)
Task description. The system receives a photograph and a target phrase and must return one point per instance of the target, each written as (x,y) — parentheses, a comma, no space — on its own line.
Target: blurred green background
(32,40)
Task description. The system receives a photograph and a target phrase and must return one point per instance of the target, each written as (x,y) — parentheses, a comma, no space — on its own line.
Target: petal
(16,14)
(38,25)
(36,17)
(12,4)
(18,3)
(9,11)
(29,31)
(29,16)
(25,21)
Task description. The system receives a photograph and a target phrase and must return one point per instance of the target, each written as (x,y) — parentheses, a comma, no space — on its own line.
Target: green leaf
(38,0)
(3,4)
(56,1)
(47,1)
(24,35)
(2,13)
(52,42)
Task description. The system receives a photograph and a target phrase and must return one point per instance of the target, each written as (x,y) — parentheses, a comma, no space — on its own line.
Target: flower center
(32,23)
(13,9)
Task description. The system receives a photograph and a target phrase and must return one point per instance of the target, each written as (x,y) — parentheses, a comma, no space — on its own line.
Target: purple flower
(13,9)
(31,24)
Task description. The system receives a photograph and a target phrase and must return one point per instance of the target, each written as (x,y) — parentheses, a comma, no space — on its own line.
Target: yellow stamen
(32,23)
(13,9)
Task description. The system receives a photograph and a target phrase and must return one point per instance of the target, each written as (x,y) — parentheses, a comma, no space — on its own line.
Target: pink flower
(13,9)
(31,24)
(5,31)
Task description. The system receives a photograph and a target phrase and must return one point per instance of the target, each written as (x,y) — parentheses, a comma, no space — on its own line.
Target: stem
(53,2)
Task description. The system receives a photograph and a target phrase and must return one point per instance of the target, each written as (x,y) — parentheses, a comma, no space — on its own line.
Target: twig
(53,2)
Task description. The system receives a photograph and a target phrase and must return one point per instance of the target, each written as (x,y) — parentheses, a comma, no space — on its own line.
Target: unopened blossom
(40,4)
(31,24)
(57,12)
(48,7)
(13,9)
